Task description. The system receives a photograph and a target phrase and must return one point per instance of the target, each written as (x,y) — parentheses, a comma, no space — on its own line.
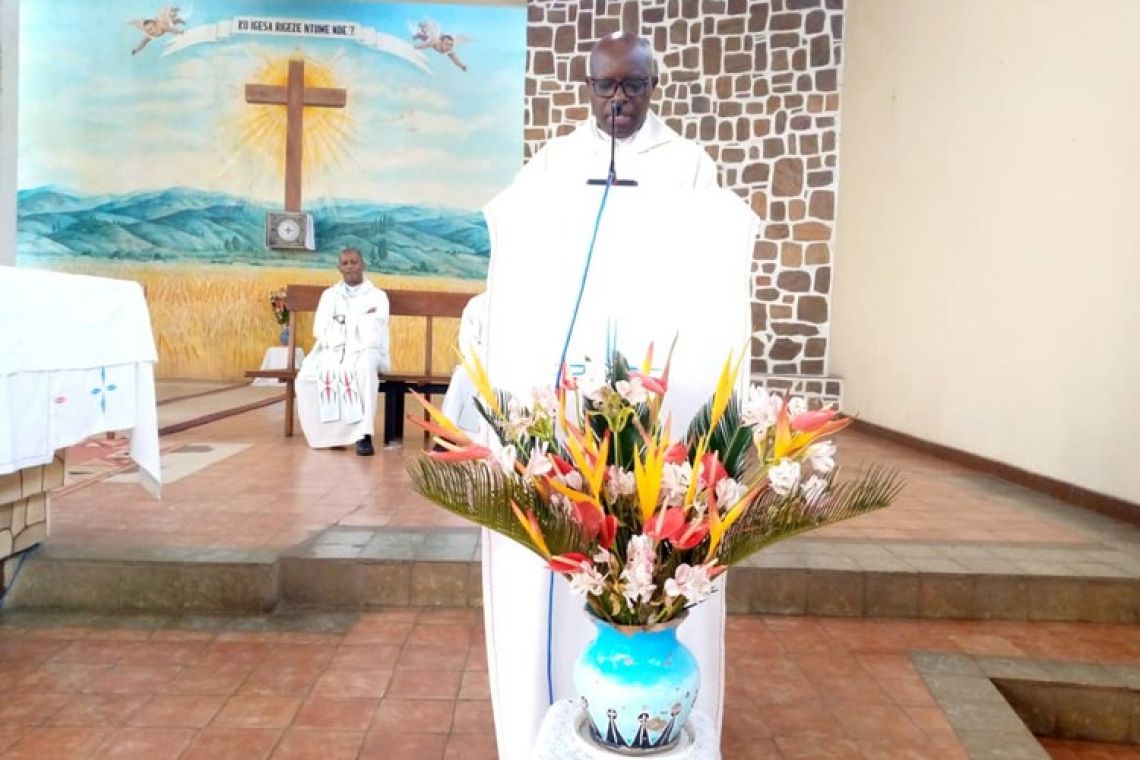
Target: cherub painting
(427,34)
(166,20)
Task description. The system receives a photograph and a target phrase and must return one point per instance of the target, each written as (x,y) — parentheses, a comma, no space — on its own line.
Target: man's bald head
(627,59)
(621,44)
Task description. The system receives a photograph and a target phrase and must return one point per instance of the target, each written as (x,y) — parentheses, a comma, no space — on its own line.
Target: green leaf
(771,518)
(481,493)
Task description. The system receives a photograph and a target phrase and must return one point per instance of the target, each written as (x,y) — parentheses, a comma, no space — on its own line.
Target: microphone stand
(611,178)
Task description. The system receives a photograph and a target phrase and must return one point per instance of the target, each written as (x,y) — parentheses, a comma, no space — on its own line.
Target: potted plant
(589,476)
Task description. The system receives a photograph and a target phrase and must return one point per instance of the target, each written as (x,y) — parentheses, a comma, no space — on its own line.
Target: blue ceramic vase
(637,685)
(283,336)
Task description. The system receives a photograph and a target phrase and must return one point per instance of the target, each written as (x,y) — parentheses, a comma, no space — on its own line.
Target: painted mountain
(182,225)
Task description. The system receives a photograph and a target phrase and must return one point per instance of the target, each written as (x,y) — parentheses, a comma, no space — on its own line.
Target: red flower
(691,535)
(711,464)
(568,563)
(561,464)
(609,531)
(809,422)
(651,384)
(665,524)
(590,518)
(676,454)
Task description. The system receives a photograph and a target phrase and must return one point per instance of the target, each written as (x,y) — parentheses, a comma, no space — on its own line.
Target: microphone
(611,177)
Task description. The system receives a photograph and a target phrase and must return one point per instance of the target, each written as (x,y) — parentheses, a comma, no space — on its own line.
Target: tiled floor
(408,683)
(278,492)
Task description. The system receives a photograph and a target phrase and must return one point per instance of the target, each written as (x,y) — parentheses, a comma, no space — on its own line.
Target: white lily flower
(592,383)
(618,482)
(506,458)
(784,476)
(587,581)
(814,489)
(518,418)
(758,411)
(728,492)
(638,572)
(822,456)
(796,407)
(545,401)
(675,482)
(632,391)
(539,463)
(693,583)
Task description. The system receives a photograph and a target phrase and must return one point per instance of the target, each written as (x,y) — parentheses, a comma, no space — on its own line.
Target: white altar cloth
(76,359)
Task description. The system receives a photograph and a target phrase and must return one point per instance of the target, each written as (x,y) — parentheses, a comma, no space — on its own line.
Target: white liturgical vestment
(337,384)
(655,156)
(668,262)
(459,402)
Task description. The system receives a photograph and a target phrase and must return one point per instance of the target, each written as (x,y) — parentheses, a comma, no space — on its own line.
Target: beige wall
(986,293)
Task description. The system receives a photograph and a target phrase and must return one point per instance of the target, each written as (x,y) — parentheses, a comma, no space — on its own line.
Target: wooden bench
(401,303)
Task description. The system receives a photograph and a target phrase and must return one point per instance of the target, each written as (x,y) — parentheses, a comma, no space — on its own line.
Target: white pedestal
(276,357)
(559,738)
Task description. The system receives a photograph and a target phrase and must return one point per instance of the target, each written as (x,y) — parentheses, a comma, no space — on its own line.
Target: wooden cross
(295,96)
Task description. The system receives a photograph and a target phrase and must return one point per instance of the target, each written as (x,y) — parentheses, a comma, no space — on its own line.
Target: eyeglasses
(633,88)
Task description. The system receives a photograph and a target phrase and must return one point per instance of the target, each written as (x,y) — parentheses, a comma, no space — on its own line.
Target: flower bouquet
(590,476)
(279,303)
(280,308)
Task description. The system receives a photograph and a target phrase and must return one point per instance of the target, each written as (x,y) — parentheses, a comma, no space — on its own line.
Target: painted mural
(153,146)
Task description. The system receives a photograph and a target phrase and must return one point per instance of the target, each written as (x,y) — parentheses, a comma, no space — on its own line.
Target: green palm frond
(482,494)
(773,518)
(731,440)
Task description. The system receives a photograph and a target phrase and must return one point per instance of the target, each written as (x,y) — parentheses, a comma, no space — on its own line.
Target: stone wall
(24,504)
(758,84)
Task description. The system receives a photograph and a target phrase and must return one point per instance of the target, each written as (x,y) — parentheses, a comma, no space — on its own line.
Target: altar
(77,359)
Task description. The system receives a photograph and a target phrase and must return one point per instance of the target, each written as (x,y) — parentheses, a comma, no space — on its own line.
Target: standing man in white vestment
(337,384)
(622,79)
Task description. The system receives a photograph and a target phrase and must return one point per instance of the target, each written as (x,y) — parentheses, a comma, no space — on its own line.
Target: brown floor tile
(426,716)
(63,742)
(425,684)
(474,685)
(133,679)
(173,711)
(335,714)
(311,744)
(366,656)
(471,747)
(222,679)
(385,745)
(145,744)
(98,710)
(473,717)
(31,709)
(817,748)
(249,711)
(232,744)
(268,679)
(359,683)
(9,735)
(419,656)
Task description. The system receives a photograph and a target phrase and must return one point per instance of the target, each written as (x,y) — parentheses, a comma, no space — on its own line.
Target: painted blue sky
(96,119)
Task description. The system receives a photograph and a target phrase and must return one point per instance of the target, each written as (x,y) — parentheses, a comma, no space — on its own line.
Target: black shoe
(364,447)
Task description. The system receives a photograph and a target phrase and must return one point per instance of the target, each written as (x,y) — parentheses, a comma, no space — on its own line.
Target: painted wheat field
(215,322)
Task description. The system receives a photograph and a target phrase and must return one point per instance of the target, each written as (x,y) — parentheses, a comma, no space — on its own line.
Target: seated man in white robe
(337,384)
(459,403)
(622,79)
